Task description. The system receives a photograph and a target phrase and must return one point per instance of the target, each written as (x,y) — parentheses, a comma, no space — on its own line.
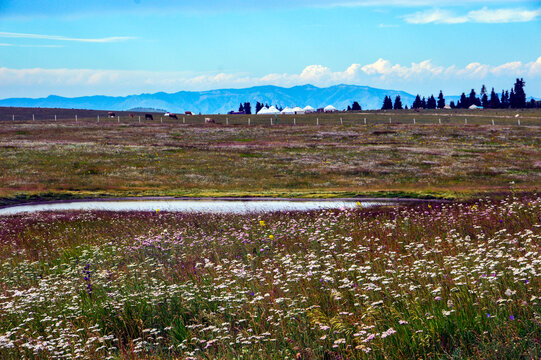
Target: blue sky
(78,47)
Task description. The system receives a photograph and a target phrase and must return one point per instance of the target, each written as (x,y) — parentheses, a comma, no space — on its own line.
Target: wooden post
(227,121)
(118,117)
(13,117)
(317,121)
(271,121)
(161,120)
(139,118)
(341,122)
(365,121)
(492,122)
(248,121)
(183,120)
(518,120)
(466,121)
(98,118)
(33,117)
(439,120)
(413,120)
(55,118)
(75,118)
(294,121)
(390,120)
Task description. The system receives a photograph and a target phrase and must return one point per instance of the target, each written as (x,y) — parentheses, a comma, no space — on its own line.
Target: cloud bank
(485,15)
(39,82)
(63,38)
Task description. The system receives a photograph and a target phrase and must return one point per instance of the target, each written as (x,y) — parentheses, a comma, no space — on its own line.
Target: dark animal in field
(188,113)
(111,114)
(148,117)
(131,115)
(210,121)
(173,116)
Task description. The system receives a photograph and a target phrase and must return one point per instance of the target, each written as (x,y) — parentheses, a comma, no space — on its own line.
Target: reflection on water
(211,206)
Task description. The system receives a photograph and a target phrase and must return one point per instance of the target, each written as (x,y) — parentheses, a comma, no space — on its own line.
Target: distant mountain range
(224,100)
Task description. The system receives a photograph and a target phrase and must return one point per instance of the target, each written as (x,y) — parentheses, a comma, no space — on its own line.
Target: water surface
(190,206)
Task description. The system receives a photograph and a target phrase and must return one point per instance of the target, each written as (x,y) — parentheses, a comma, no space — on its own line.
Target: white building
(329,108)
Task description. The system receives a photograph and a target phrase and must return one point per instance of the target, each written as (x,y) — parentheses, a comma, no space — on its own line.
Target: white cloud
(381,73)
(63,38)
(438,16)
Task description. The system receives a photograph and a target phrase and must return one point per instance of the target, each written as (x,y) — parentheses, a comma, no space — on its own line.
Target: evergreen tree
(406,107)
(431,102)
(397,103)
(356,106)
(258,106)
(473,99)
(494,102)
(241,108)
(417,103)
(512,99)
(247,108)
(423,103)
(452,104)
(463,102)
(520,95)
(441,100)
(387,103)
(349,108)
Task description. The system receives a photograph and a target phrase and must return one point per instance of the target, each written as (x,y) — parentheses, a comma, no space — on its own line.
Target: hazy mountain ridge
(224,100)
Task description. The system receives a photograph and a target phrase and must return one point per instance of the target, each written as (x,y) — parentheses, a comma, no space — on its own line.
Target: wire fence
(314,119)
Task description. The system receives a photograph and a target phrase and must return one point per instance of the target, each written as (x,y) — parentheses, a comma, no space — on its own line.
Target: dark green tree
(423,103)
(241,108)
(484,97)
(473,99)
(494,102)
(441,100)
(463,102)
(505,100)
(397,103)
(417,103)
(247,108)
(520,95)
(452,105)
(356,106)
(431,102)
(387,103)
(258,106)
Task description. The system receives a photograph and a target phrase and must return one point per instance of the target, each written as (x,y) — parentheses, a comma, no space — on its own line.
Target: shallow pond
(210,206)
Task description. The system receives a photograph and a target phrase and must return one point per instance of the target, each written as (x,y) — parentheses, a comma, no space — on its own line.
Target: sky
(122,47)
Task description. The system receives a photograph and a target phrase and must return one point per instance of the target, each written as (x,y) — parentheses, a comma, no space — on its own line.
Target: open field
(64,159)
(440,281)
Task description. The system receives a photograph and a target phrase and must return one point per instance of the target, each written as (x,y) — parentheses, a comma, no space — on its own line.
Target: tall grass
(427,281)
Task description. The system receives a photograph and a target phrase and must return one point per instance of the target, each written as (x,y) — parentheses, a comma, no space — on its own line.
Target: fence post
(341,123)
(390,121)
(75,118)
(139,118)
(248,121)
(161,120)
(271,121)
(439,120)
(33,117)
(294,121)
(98,118)
(365,121)
(518,122)
(414,121)
(227,121)
(13,117)
(466,121)
(492,122)
(55,118)
(317,121)
(184,120)
(118,117)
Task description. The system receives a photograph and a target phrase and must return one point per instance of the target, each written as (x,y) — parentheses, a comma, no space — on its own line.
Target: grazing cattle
(111,114)
(148,117)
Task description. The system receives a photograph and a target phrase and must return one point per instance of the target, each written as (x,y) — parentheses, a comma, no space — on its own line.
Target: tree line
(514,99)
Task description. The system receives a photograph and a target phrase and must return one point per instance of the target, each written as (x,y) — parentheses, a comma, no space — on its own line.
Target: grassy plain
(440,281)
(64,159)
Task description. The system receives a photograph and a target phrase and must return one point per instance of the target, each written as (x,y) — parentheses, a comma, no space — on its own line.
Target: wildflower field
(446,280)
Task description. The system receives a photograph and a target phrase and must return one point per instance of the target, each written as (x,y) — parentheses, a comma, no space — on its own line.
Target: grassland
(65,159)
(447,281)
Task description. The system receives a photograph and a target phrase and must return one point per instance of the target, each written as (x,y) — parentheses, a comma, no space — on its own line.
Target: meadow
(340,157)
(454,280)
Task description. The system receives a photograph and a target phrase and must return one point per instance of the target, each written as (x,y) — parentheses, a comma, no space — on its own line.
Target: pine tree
(397,103)
(356,106)
(463,102)
(494,102)
(505,99)
(520,95)
(431,102)
(387,103)
(452,104)
(473,99)
(349,108)
(417,103)
(247,108)
(241,108)
(512,99)
(258,106)
(441,100)
(423,103)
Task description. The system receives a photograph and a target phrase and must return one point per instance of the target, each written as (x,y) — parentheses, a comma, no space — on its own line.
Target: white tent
(264,111)
(298,110)
(273,110)
(308,109)
(473,107)
(447,107)
(288,110)
(329,108)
